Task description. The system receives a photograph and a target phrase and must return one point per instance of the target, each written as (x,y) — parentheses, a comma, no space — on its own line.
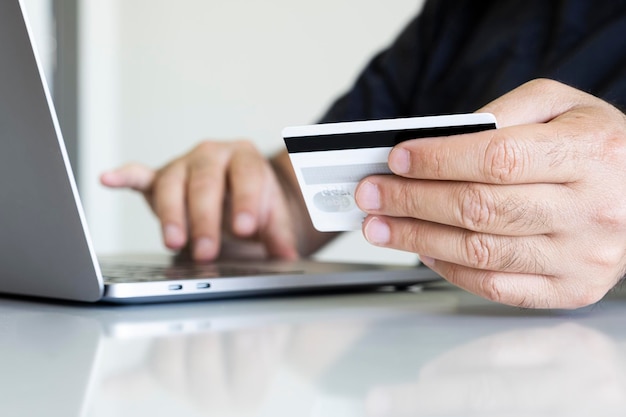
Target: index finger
(538,142)
(514,155)
(135,176)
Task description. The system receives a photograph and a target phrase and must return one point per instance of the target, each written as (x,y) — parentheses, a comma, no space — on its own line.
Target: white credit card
(330,159)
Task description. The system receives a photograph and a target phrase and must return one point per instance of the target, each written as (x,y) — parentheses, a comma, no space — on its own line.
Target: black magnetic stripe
(379,139)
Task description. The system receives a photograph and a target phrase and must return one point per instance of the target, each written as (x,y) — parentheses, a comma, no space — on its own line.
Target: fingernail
(368,196)
(399,161)
(245,224)
(173,236)
(204,249)
(377,232)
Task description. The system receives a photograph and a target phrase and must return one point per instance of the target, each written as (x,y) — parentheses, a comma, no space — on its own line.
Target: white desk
(441,352)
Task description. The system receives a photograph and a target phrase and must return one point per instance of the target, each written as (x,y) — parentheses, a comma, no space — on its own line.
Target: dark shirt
(458,55)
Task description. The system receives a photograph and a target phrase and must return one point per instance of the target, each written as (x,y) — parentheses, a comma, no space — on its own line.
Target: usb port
(203,285)
(175,287)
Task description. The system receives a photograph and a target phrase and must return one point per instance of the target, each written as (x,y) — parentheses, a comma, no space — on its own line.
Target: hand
(532,214)
(565,369)
(213,373)
(216,191)
(234,371)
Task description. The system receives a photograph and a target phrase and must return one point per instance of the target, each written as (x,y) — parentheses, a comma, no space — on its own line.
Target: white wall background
(157,76)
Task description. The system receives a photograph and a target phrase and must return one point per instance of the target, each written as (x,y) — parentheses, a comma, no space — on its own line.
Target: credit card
(330,159)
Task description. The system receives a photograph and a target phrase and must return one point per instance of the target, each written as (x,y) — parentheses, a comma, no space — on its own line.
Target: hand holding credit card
(330,159)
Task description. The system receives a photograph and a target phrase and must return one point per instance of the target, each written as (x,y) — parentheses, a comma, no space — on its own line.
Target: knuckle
(481,209)
(201,183)
(167,179)
(430,160)
(582,297)
(401,197)
(610,216)
(392,196)
(205,146)
(549,88)
(487,252)
(504,160)
(477,208)
(613,149)
(438,165)
(411,238)
(543,84)
(245,144)
(479,250)
(491,288)
(207,152)
(607,144)
(589,298)
(608,257)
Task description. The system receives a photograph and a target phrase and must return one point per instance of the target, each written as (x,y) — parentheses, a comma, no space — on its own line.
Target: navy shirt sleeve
(457,55)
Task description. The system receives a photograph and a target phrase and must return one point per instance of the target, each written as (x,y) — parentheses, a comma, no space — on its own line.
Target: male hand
(532,214)
(215,190)
(562,370)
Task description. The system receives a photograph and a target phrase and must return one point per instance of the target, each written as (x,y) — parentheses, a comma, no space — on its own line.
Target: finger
(168,202)
(513,271)
(515,210)
(529,254)
(206,196)
(134,176)
(534,143)
(277,232)
(512,155)
(248,176)
(258,205)
(521,290)
(275,224)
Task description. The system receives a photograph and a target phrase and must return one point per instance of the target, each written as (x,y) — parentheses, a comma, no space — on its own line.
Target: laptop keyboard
(120,273)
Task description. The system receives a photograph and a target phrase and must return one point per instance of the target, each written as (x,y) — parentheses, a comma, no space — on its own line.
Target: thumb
(537,101)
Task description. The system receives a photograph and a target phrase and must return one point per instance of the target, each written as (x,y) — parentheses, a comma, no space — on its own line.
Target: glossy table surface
(435,352)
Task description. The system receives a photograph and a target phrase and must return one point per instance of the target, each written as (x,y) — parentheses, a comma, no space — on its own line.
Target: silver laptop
(45,249)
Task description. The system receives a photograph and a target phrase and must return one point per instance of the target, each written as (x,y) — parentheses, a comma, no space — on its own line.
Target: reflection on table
(438,352)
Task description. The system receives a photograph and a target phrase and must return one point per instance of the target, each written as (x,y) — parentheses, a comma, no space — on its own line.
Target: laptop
(45,247)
